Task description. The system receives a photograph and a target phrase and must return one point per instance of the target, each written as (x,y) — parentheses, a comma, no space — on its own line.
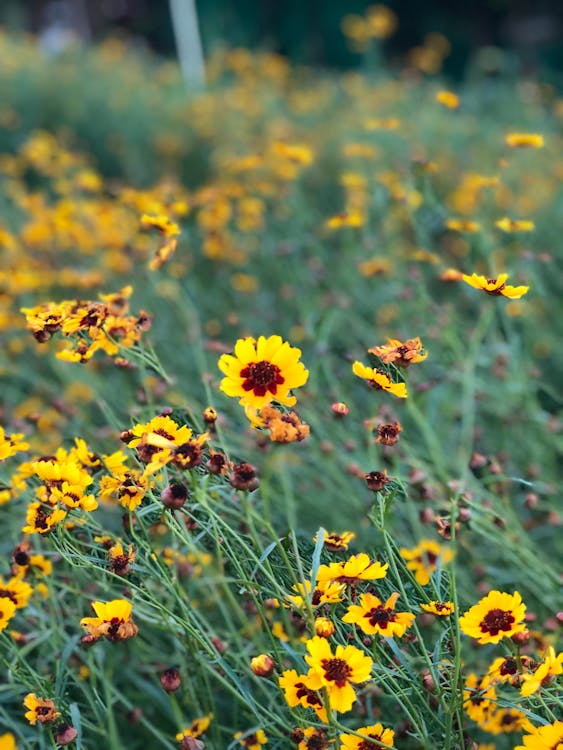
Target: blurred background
(508,36)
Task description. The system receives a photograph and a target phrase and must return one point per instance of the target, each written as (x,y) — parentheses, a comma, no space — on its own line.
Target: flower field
(280,414)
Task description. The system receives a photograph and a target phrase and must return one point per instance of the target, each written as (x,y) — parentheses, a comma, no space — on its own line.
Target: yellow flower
(442,609)
(497,287)
(312,738)
(463,225)
(504,720)
(38,521)
(262,371)
(551,666)
(8,742)
(16,591)
(400,354)
(479,698)
(161,223)
(515,225)
(40,710)
(524,140)
(357,568)
(373,732)
(326,592)
(11,444)
(298,693)
(7,611)
(379,380)
(113,620)
(548,737)
(448,99)
(252,741)
(336,672)
(423,559)
(497,615)
(372,616)
(335,542)
(196,728)
(345,219)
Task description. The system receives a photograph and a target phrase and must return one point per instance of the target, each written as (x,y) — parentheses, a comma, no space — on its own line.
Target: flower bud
(174,496)
(170,680)
(262,665)
(339,409)
(65,734)
(324,627)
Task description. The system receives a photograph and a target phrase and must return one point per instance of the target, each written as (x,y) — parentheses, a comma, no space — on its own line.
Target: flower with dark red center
(372,616)
(496,287)
(262,371)
(336,672)
(496,616)
(375,732)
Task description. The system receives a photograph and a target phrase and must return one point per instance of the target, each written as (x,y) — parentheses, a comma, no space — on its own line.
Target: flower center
(498,290)
(496,620)
(380,616)
(337,671)
(509,666)
(304,692)
(367,744)
(261,377)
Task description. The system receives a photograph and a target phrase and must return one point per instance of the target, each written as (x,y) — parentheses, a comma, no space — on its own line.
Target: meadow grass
(143,235)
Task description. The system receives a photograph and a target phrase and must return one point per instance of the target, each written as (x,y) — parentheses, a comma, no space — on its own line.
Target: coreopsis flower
(326,592)
(252,741)
(388,434)
(505,669)
(262,371)
(463,225)
(399,353)
(374,732)
(335,542)
(441,609)
(120,560)
(7,611)
(16,590)
(372,616)
(345,219)
(283,428)
(379,380)
(496,287)
(11,444)
(524,140)
(548,737)
(168,231)
(161,441)
(515,225)
(298,692)
(8,742)
(377,480)
(505,720)
(497,615)
(423,559)
(337,672)
(310,739)
(196,728)
(40,710)
(39,520)
(113,620)
(448,99)
(479,697)
(551,666)
(350,572)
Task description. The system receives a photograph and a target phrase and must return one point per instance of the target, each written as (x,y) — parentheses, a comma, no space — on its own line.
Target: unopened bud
(66,734)
(324,627)
(170,680)
(262,665)
(174,496)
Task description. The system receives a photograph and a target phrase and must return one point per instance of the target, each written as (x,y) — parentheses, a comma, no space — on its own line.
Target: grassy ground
(336,211)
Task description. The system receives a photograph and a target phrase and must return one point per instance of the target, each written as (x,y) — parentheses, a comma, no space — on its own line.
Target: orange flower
(400,354)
